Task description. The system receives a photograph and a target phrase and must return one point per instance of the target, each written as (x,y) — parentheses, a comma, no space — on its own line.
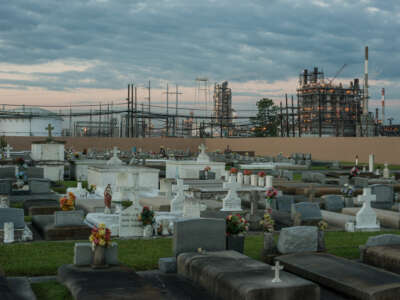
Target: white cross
(180,187)
(115,151)
(232,186)
(366,197)
(277,268)
(202,148)
(8,149)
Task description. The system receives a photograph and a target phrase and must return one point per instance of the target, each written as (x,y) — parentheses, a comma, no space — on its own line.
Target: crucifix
(49,128)
(277,268)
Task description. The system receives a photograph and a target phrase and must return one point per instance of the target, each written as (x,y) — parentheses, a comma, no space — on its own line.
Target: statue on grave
(107,199)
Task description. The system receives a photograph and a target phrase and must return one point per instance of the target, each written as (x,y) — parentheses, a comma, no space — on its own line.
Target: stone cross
(8,149)
(202,148)
(386,172)
(366,216)
(277,268)
(366,197)
(231,202)
(49,128)
(177,203)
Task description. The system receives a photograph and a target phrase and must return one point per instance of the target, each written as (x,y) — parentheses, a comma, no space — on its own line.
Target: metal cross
(277,268)
(49,128)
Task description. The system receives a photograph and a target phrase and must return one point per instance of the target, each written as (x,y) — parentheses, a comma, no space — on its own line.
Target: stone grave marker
(366,217)
(231,202)
(4,202)
(8,232)
(298,239)
(5,186)
(129,224)
(13,215)
(178,201)
(33,172)
(7,172)
(371,159)
(333,202)
(360,182)
(69,218)
(192,234)
(309,211)
(283,203)
(386,171)
(384,196)
(39,186)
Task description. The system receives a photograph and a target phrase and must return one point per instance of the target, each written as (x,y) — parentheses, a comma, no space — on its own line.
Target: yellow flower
(91,238)
(102,232)
(102,225)
(102,242)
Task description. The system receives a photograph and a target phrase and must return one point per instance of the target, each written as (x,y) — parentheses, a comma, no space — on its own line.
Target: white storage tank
(29,121)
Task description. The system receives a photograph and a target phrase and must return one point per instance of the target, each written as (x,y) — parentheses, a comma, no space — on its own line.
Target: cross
(232,187)
(366,197)
(49,129)
(277,268)
(180,187)
(8,149)
(115,151)
(202,148)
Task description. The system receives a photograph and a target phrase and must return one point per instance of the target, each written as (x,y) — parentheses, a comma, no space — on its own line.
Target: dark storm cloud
(178,41)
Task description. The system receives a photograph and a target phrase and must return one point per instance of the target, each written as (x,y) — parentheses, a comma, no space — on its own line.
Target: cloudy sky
(77,51)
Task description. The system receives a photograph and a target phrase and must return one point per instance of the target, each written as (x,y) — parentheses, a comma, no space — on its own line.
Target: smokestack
(383,106)
(365,100)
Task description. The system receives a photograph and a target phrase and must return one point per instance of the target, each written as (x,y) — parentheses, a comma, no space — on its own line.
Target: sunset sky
(80,52)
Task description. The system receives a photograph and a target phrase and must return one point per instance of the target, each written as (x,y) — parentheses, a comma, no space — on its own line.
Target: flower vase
(235,242)
(99,257)
(321,241)
(147,231)
(269,243)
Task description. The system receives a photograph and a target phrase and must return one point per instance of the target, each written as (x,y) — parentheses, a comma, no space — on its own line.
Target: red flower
(247,172)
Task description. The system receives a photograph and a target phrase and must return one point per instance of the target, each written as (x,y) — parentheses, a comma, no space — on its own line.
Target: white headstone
(371,163)
(191,206)
(8,232)
(386,172)
(227,175)
(349,227)
(114,160)
(8,149)
(232,202)
(4,202)
(129,224)
(178,201)
(366,217)
(203,157)
(261,181)
(268,181)
(277,268)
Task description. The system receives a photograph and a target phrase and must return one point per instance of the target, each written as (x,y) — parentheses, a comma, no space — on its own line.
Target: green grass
(297,176)
(28,219)
(44,258)
(360,165)
(51,290)
(17,204)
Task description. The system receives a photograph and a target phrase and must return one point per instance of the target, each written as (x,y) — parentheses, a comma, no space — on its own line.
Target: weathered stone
(351,279)
(116,283)
(298,239)
(39,186)
(231,275)
(40,207)
(191,234)
(309,212)
(383,240)
(83,254)
(387,218)
(337,219)
(333,202)
(167,264)
(384,257)
(13,215)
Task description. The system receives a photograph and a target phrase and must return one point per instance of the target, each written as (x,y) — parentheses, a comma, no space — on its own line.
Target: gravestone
(39,186)
(309,212)
(283,203)
(13,215)
(68,218)
(7,172)
(386,172)
(360,182)
(366,217)
(192,234)
(8,232)
(5,186)
(129,224)
(333,202)
(288,175)
(343,180)
(177,202)
(231,202)
(371,163)
(298,239)
(384,196)
(210,175)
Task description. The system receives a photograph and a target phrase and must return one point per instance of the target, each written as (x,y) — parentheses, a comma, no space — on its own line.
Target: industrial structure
(223,107)
(29,121)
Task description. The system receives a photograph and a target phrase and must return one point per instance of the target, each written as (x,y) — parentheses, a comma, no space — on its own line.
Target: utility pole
(127,115)
(176,108)
(70,120)
(149,118)
(143,122)
(293,123)
(287,118)
(99,121)
(136,122)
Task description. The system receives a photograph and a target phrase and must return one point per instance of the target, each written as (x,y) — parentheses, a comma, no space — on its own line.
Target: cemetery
(179,224)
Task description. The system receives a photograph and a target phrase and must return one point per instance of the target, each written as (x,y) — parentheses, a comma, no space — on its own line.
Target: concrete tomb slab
(352,279)
(298,239)
(231,275)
